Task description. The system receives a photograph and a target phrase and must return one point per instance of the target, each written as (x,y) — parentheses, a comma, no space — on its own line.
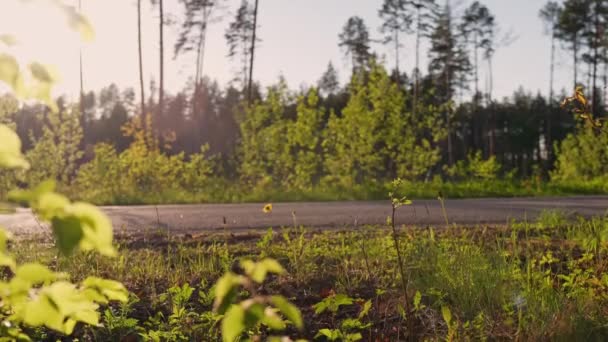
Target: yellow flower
(267,208)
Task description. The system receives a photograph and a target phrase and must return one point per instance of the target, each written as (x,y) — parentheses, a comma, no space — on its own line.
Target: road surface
(193,219)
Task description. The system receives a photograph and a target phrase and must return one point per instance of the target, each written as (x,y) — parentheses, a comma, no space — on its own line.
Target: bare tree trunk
(201,45)
(594,97)
(448,85)
(397,56)
(575,50)
(161,89)
(450,148)
(81,103)
(141,66)
(252,53)
(549,112)
(605,74)
(476,61)
(589,76)
(416,71)
(552,67)
(491,107)
(200,57)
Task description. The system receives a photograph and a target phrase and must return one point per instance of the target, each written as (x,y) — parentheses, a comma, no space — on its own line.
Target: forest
(434,125)
(74,271)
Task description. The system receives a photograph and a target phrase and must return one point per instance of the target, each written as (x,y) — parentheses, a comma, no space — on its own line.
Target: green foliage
(254,312)
(376,131)
(36,296)
(264,132)
(33,295)
(332,303)
(142,169)
(475,167)
(74,224)
(351,140)
(10,151)
(57,152)
(304,140)
(582,155)
(349,329)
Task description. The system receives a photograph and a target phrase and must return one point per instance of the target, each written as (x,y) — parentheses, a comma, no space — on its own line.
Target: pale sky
(299,38)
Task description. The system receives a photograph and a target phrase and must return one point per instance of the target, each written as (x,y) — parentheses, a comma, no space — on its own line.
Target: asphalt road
(180,219)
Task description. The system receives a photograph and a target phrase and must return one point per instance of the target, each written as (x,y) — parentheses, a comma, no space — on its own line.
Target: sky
(299,38)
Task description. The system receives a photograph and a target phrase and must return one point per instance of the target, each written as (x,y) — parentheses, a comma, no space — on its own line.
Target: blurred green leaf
(43,73)
(7,261)
(36,274)
(9,72)
(225,291)
(96,228)
(257,271)
(68,233)
(271,319)
(79,23)
(60,306)
(50,205)
(233,323)
(110,289)
(4,237)
(8,39)
(289,310)
(10,148)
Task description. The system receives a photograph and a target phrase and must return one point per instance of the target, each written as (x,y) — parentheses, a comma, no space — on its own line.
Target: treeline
(324,137)
(384,123)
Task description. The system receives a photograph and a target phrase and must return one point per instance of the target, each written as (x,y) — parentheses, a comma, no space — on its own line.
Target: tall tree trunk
(491,107)
(200,57)
(596,43)
(200,60)
(448,85)
(476,61)
(605,53)
(575,52)
(81,102)
(252,53)
(141,65)
(589,75)
(397,56)
(549,112)
(417,67)
(161,89)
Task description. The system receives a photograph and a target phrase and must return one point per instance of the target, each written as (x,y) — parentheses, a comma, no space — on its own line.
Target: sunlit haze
(298,40)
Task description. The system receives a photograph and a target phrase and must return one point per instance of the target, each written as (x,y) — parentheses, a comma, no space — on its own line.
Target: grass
(221,191)
(542,280)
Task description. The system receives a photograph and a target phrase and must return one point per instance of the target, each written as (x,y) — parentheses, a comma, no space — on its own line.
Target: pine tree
(478,28)
(140,59)
(572,22)
(550,14)
(265,153)
(329,83)
(448,61)
(396,20)
(199,14)
(252,52)
(595,37)
(304,139)
(161,53)
(355,40)
(424,10)
(238,36)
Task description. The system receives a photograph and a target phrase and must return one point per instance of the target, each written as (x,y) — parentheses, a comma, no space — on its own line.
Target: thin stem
(403,277)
